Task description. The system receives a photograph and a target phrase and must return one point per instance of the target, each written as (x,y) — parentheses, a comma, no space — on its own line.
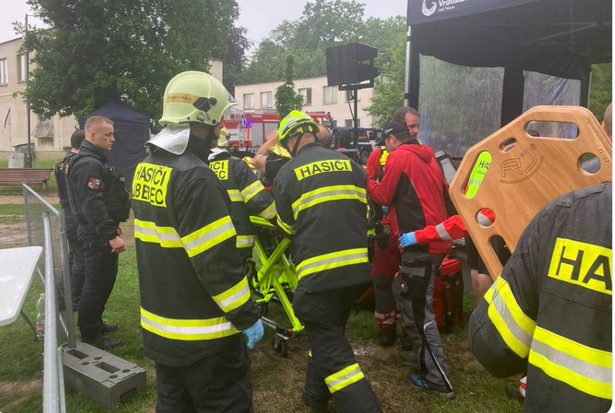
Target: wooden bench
(17,176)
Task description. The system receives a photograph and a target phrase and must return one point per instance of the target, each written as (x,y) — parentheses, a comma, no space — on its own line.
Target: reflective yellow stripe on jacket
(586,369)
(235,195)
(269,212)
(289,229)
(327,194)
(344,378)
(194,244)
(252,190)
(511,322)
(245,241)
(167,237)
(187,330)
(234,297)
(330,261)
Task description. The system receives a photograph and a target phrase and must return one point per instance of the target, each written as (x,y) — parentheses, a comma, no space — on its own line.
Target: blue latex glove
(254,333)
(385,210)
(407,240)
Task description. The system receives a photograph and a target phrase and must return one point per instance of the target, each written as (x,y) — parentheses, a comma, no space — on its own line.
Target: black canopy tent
(132,130)
(556,37)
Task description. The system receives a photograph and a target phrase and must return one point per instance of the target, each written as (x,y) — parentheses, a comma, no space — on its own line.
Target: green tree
(601,93)
(94,51)
(389,87)
(286,98)
(324,23)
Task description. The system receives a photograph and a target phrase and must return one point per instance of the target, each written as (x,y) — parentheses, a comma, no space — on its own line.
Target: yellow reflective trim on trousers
(234,297)
(245,241)
(270,212)
(289,229)
(187,330)
(511,322)
(328,194)
(166,237)
(344,378)
(235,195)
(330,261)
(252,190)
(587,369)
(209,236)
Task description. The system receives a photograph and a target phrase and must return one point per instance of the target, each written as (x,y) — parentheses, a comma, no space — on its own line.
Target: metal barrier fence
(45,227)
(54,399)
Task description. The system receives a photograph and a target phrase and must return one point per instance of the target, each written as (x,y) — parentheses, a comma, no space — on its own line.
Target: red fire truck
(250,130)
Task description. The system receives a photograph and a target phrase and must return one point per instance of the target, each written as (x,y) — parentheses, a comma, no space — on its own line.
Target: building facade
(48,138)
(317,96)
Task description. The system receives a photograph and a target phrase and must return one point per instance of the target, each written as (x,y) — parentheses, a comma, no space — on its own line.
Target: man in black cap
(416,193)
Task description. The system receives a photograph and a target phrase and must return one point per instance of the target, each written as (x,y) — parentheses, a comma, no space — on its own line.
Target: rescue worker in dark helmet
(550,311)
(195,298)
(71,222)
(248,195)
(100,202)
(321,202)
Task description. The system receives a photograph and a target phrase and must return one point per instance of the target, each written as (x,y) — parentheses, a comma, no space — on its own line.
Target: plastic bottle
(40,316)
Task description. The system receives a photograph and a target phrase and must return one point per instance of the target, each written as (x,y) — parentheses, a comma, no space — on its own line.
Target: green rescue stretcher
(275,281)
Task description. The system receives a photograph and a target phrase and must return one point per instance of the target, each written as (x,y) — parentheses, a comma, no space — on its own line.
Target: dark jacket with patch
(88,179)
(550,311)
(195,298)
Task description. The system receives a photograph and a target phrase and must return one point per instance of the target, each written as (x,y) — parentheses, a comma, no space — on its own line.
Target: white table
(17,267)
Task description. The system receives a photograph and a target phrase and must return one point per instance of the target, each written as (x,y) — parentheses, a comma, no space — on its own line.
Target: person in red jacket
(416,192)
(386,259)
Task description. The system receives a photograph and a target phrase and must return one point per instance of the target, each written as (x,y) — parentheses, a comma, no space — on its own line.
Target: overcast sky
(258,16)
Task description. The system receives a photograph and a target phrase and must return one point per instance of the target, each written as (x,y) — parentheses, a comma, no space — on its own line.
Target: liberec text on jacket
(150,184)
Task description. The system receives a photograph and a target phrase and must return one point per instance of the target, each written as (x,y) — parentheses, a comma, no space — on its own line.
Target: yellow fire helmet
(296,122)
(195,97)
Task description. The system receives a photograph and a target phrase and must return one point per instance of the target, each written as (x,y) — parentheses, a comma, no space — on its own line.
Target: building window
(3,72)
(22,68)
(329,95)
(266,100)
(307,95)
(247,101)
(348,123)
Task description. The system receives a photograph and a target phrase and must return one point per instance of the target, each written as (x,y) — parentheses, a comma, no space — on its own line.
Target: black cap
(394,127)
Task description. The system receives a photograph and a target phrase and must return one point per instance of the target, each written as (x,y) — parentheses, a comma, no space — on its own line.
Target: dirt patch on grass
(13,235)
(18,392)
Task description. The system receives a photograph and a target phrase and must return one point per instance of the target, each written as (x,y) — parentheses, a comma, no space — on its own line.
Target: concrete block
(107,379)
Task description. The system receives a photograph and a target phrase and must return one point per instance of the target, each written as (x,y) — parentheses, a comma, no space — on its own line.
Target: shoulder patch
(94,183)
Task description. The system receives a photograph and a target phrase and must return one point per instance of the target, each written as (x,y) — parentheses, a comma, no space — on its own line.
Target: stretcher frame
(521,173)
(275,281)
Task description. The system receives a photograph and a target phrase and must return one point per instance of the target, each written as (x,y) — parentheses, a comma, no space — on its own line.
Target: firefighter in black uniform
(247,193)
(71,222)
(550,310)
(321,202)
(195,298)
(99,202)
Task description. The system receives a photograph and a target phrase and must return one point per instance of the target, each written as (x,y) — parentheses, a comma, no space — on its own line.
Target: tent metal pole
(413,68)
(512,94)
(586,84)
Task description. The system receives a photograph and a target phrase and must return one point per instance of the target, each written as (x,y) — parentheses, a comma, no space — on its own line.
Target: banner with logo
(424,11)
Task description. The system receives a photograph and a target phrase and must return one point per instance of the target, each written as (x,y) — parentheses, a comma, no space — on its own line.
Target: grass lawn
(277,381)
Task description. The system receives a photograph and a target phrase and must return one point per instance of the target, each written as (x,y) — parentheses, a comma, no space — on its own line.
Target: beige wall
(340,111)
(13,114)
